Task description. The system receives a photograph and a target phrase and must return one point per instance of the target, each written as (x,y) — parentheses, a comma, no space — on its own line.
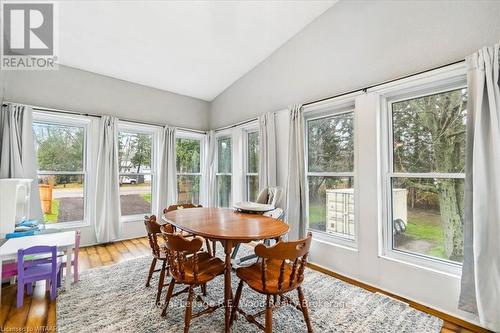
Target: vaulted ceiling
(194,48)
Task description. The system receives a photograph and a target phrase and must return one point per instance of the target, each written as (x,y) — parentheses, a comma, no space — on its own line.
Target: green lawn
(52,218)
(423,230)
(425,225)
(422,225)
(146,197)
(317,217)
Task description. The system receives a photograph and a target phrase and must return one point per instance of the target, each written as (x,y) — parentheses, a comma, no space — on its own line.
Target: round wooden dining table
(230,228)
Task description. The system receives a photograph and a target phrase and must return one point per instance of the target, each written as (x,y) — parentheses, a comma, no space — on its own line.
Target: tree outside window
(252,172)
(330,174)
(60,150)
(428,158)
(188,151)
(224,171)
(135,167)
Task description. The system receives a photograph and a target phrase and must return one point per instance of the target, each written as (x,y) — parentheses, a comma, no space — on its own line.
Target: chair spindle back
(180,206)
(153,229)
(294,253)
(178,250)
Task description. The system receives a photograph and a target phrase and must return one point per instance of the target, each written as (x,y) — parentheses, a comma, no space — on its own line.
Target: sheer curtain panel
(480,291)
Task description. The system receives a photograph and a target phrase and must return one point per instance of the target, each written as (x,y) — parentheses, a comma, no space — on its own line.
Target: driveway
(71,207)
(76,192)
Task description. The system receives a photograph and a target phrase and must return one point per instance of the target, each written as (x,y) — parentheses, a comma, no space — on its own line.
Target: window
(188,169)
(330,174)
(224,174)
(60,144)
(252,166)
(135,156)
(426,173)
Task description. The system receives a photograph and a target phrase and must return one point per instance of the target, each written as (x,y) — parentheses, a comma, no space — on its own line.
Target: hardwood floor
(38,314)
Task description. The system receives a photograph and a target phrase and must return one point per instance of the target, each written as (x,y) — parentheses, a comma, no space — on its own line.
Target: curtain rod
(349,92)
(382,83)
(41,108)
(244,122)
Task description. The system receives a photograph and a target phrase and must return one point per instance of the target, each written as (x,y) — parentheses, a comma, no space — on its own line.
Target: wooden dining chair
(280,271)
(277,214)
(190,267)
(158,253)
(210,249)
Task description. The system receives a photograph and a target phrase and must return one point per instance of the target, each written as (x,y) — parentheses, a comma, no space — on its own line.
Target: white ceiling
(194,48)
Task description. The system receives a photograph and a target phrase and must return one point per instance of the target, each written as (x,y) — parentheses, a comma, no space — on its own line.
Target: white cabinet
(340,210)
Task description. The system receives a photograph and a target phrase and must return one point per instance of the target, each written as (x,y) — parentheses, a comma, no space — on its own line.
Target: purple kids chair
(41,269)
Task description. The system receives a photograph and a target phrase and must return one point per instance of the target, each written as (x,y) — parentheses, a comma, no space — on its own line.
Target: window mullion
(426,175)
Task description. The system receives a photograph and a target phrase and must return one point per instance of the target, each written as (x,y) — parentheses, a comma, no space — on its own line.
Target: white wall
(355,44)
(77,90)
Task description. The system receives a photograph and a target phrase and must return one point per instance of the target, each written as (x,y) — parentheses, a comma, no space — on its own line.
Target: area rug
(114,299)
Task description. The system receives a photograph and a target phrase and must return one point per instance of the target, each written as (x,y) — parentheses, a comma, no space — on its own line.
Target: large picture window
(224,171)
(252,166)
(330,174)
(135,155)
(426,178)
(188,152)
(60,144)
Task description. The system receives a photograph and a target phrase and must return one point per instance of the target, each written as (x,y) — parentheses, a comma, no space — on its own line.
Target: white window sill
(133,218)
(345,243)
(67,225)
(434,265)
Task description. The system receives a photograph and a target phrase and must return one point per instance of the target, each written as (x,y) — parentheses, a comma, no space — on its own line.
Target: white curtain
(267,151)
(210,170)
(480,291)
(17,150)
(295,187)
(107,191)
(167,174)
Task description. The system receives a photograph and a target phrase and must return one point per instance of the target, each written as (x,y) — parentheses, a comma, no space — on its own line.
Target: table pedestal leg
(228,294)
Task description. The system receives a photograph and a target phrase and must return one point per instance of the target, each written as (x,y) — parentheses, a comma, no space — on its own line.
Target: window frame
(246,132)
(439,81)
(218,137)
(46,117)
(132,127)
(334,107)
(201,137)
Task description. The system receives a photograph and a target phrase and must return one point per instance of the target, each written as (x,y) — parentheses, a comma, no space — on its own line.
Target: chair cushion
(263,196)
(252,275)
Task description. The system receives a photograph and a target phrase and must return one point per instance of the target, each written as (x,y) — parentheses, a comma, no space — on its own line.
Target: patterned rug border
(349,308)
